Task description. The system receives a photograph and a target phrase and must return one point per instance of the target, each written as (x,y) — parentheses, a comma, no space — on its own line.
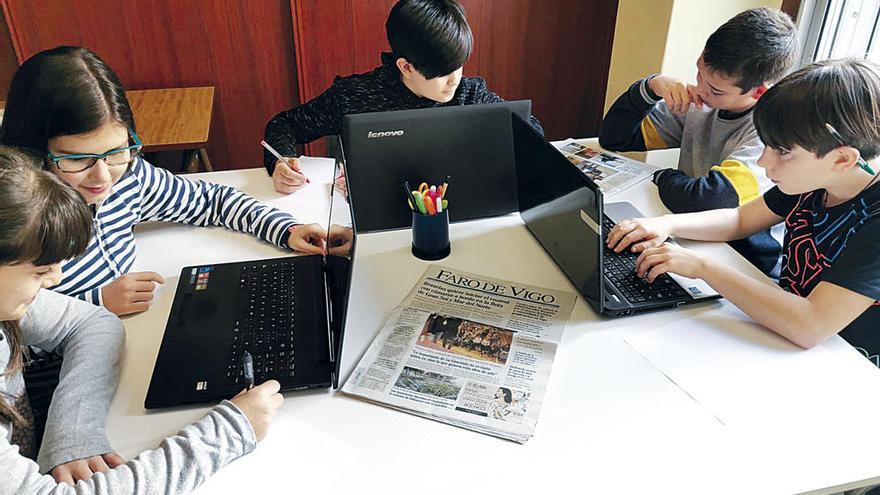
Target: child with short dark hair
(821,126)
(711,122)
(42,223)
(430,42)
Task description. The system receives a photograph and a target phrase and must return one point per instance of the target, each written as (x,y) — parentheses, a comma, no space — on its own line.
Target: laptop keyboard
(266,329)
(620,270)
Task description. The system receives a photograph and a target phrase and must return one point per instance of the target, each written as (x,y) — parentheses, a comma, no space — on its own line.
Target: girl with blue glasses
(67,103)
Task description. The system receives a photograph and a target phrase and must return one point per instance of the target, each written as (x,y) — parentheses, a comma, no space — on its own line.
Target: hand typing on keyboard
(638,234)
(670,258)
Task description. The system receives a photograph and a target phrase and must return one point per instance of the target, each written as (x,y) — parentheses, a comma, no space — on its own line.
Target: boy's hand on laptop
(309,238)
(639,234)
(288,179)
(83,469)
(670,258)
(260,404)
(674,91)
(130,293)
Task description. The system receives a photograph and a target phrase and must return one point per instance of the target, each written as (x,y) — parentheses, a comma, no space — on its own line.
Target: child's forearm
(787,314)
(711,225)
(725,224)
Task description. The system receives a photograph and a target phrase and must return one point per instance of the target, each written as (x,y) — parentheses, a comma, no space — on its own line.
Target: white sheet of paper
(746,375)
(294,456)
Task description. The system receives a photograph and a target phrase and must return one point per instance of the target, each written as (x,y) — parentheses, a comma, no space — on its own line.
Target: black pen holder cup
(430,236)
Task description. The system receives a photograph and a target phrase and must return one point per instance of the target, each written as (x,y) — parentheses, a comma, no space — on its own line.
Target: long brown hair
(62,91)
(42,221)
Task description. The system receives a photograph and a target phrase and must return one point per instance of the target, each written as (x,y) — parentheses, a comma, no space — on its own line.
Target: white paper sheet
(293,456)
(746,375)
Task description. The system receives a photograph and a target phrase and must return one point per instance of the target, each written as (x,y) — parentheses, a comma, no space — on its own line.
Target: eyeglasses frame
(137,146)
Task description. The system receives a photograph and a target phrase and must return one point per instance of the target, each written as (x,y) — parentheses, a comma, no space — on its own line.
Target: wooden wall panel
(8,60)
(555,53)
(243,48)
(336,37)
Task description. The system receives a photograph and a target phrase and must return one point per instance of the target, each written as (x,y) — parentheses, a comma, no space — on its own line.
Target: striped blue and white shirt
(146,193)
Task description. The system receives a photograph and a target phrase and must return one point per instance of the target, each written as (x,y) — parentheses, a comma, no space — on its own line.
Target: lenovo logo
(383,134)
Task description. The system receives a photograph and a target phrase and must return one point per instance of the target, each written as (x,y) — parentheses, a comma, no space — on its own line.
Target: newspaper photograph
(614,173)
(467,350)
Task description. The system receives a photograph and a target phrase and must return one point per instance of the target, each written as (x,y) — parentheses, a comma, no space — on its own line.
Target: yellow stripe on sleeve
(652,138)
(741,177)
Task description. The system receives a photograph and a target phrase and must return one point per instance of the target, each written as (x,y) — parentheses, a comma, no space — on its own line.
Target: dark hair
(432,35)
(755,46)
(508,395)
(63,91)
(844,93)
(42,221)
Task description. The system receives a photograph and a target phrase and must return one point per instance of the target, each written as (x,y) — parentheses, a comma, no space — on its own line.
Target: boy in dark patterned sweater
(430,42)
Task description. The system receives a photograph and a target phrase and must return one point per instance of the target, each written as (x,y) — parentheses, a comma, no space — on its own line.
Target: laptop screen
(560,207)
(470,143)
(338,265)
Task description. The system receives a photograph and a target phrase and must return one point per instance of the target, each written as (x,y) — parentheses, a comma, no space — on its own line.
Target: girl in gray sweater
(43,222)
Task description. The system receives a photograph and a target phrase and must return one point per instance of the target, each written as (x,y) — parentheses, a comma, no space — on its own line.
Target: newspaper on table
(467,350)
(614,173)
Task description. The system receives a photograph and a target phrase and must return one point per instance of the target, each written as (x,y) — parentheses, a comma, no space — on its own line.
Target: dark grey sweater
(379,90)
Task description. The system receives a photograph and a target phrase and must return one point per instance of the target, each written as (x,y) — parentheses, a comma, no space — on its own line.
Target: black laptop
(472,144)
(288,313)
(564,211)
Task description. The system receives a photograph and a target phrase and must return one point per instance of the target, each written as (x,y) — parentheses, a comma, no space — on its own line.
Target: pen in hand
(283,159)
(248,365)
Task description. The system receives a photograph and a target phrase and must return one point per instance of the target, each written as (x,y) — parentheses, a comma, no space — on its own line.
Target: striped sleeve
(169,198)
(91,296)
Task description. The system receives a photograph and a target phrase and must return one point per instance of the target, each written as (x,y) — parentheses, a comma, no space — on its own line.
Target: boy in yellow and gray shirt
(711,122)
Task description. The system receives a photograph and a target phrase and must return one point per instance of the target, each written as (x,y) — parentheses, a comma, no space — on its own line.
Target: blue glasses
(118,157)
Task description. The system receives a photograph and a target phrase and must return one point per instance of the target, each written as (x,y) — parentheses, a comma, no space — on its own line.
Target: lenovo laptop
(564,211)
(288,313)
(472,144)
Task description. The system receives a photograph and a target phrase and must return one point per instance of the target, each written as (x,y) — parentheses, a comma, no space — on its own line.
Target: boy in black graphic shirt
(430,42)
(821,128)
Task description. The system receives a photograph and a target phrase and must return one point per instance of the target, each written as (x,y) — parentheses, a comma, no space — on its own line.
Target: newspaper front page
(467,350)
(614,173)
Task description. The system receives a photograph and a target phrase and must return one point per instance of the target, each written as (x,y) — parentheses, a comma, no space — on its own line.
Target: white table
(610,421)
